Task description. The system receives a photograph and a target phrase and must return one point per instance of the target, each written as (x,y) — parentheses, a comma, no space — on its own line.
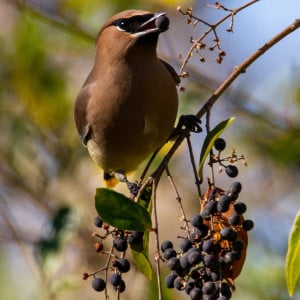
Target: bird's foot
(132,186)
(191,122)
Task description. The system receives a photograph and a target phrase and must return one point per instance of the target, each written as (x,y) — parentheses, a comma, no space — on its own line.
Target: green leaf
(209,142)
(292,263)
(140,250)
(141,257)
(121,212)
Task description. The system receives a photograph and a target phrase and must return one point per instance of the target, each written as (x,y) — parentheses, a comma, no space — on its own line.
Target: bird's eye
(124,25)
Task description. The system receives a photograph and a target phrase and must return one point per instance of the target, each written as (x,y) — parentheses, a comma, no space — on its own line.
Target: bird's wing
(82,100)
(172,71)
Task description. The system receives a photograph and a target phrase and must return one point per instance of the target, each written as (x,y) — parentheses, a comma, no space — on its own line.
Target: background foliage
(47,180)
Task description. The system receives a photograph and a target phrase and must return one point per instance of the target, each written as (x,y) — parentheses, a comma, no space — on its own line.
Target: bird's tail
(110,180)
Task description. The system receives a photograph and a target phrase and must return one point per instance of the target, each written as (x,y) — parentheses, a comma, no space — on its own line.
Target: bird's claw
(191,122)
(133,188)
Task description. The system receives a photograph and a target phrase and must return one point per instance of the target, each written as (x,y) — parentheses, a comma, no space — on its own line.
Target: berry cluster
(212,254)
(231,170)
(117,263)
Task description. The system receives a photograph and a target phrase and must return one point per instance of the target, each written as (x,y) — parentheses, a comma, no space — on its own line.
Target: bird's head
(124,30)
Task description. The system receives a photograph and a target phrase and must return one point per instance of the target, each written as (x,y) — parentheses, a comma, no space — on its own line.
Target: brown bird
(127,106)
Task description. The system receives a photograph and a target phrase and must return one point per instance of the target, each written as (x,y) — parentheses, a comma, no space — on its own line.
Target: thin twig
(192,158)
(211,28)
(179,200)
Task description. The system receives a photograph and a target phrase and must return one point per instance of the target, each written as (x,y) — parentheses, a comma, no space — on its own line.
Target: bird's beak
(158,23)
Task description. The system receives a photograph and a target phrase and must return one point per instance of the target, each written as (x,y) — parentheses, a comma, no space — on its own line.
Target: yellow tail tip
(110,180)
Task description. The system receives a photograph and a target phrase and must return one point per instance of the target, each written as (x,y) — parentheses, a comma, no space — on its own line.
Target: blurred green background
(47,179)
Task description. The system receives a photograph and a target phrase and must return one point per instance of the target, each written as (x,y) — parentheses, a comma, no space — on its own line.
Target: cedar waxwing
(127,106)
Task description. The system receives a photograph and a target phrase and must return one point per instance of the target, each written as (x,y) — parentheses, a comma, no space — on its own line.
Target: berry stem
(197,181)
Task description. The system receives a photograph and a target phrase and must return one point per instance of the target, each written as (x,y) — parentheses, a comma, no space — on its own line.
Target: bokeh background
(47,179)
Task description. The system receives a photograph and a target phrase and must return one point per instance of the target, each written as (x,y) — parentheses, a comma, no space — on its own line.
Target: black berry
(240,207)
(166,245)
(185,245)
(121,287)
(122,264)
(235,187)
(196,220)
(98,222)
(194,257)
(179,283)
(209,209)
(169,253)
(232,171)
(230,257)
(234,219)
(98,284)
(173,263)
(248,225)
(135,237)
(120,244)
(223,204)
(196,294)
(115,279)
(228,233)
(220,144)
(169,280)
(208,288)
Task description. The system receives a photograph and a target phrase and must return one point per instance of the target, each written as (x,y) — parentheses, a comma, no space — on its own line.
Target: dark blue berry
(135,237)
(195,274)
(209,260)
(169,280)
(122,264)
(120,244)
(208,288)
(220,144)
(173,263)
(248,225)
(237,246)
(209,209)
(169,253)
(121,287)
(208,246)
(115,279)
(166,245)
(225,290)
(235,187)
(232,171)
(223,204)
(98,284)
(179,283)
(189,286)
(184,262)
(229,234)
(194,258)
(240,207)
(185,245)
(98,222)
(230,257)
(196,220)
(234,219)
(196,294)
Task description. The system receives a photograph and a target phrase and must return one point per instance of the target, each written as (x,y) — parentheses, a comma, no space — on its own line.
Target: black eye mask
(132,24)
